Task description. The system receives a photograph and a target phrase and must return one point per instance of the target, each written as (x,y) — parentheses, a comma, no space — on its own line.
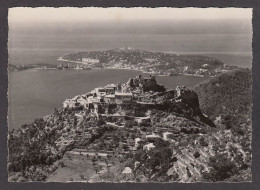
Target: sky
(154,29)
(65,14)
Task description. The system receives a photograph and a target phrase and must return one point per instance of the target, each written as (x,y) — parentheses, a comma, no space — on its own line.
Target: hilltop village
(138,131)
(135,91)
(134,98)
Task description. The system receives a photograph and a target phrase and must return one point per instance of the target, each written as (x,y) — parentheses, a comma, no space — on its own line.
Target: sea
(35,93)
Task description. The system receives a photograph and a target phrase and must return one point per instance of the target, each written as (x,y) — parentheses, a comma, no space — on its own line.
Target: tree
(203,142)
(94,159)
(196,154)
(160,157)
(221,168)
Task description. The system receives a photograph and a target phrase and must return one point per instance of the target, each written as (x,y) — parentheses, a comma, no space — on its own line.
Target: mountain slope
(228,99)
(230,93)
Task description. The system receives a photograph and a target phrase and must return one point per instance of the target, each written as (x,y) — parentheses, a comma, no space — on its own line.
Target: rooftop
(110,96)
(123,94)
(127,170)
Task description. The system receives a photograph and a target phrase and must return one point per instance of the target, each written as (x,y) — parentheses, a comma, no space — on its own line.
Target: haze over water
(229,41)
(33,94)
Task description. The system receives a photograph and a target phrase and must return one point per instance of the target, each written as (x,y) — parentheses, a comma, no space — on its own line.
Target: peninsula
(158,63)
(155,63)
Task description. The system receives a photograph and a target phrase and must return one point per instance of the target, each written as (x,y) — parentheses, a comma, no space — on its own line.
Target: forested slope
(227,94)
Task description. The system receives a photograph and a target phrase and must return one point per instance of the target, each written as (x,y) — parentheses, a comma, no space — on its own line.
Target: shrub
(196,154)
(61,164)
(221,168)
(203,142)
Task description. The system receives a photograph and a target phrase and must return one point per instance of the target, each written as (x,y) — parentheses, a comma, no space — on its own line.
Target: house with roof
(123,97)
(82,101)
(127,173)
(110,98)
(69,103)
(148,147)
(89,60)
(100,91)
(153,137)
(166,136)
(137,140)
(110,89)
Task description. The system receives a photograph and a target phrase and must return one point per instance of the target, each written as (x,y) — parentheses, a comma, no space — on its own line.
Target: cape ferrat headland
(158,63)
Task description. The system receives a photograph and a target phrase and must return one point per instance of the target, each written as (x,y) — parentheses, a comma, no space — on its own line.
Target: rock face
(191,100)
(187,96)
(182,100)
(143,84)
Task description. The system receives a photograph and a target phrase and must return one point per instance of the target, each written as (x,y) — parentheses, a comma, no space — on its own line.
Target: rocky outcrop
(144,84)
(187,96)
(189,101)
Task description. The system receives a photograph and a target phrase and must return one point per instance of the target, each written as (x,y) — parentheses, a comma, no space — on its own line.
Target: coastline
(113,68)
(131,69)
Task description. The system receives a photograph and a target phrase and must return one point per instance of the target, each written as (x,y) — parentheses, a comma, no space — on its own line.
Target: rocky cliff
(144,84)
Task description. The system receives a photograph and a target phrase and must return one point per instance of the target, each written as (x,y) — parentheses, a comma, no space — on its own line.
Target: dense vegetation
(229,94)
(227,99)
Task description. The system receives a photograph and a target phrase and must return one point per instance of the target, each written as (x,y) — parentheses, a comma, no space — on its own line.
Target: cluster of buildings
(89,60)
(97,98)
(100,97)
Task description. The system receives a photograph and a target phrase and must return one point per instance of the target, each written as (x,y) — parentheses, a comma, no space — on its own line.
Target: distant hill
(150,62)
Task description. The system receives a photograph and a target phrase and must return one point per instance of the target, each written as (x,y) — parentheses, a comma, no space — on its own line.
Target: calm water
(33,94)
